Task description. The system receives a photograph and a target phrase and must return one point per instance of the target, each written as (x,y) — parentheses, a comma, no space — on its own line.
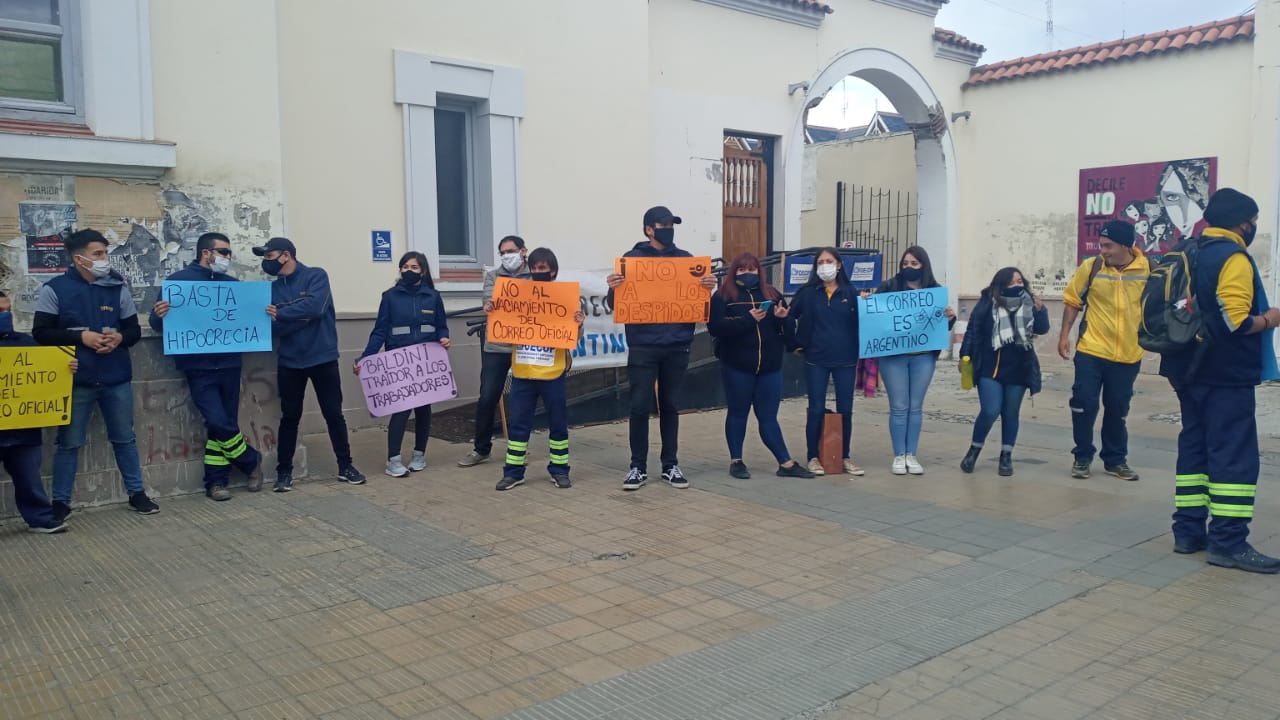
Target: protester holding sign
(214,380)
(1000,341)
(495,359)
(748,321)
(306,326)
(20,449)
(90,307)
(825,316)
(656,352)
(411,312)
(539,371)
(907,375)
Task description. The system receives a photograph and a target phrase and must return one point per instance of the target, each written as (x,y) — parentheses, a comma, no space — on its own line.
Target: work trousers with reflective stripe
(1217,470)
(524,402)
(216,394)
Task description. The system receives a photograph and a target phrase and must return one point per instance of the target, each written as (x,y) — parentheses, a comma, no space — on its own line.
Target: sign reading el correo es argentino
(897,323)
(35,387)
(216,317)
(661,290)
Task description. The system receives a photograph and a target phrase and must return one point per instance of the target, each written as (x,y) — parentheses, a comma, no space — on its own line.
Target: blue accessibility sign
(382,246)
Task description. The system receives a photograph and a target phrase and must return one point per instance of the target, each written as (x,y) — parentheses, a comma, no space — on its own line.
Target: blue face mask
(6,323)
(1013,292)
(748,280)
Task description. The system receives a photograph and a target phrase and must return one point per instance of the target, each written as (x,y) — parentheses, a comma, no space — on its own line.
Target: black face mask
(541,276)
(1013,292)
(410,277)
(910,274)
(749,281)
(664,236)
(1248,236)
(272,267)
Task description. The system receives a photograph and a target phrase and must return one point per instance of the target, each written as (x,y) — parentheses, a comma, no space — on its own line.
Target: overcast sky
(1016,28)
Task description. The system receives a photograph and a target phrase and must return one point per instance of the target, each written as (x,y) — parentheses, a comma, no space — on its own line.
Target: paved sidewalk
(434,597)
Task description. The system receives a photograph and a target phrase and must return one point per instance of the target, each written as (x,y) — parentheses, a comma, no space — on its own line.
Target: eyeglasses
(224,252)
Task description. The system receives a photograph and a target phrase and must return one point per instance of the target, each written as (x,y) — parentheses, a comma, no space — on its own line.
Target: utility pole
(1048,24)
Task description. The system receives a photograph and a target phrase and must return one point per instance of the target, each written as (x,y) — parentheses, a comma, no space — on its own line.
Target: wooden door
(746,205)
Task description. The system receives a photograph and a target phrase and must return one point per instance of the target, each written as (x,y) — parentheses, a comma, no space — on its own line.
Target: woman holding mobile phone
(748,323)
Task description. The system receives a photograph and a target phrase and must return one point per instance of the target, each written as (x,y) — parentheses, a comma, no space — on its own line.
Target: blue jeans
(22,462)
(116,404)
(1114,381)
(744,390)
(815,381)
(1002,401)
(906,380)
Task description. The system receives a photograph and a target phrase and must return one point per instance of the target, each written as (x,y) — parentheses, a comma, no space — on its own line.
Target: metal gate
(879,219)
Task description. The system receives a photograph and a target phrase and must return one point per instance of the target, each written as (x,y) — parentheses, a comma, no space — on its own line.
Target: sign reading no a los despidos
(216,317)
(35,387)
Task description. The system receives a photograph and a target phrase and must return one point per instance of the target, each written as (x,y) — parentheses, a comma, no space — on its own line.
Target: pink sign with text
(407,378)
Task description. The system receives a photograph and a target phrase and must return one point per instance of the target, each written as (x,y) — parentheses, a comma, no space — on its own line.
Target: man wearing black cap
(656,352)
(307,327)
(1108,290)
(1217,471)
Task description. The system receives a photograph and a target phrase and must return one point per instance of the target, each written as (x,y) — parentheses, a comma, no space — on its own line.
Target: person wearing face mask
(306,328)
(824,315)
(411,312)
(657,352)
(907,376)
(1218,465)
(20,449)
(214,381)
(1000,341)
(749,323)
(1107,290)
(495,358)
(90,307)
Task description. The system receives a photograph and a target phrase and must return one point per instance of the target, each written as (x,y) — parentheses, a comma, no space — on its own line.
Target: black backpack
(1172,317)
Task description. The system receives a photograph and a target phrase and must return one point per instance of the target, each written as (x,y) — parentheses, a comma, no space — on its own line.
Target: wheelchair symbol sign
(381,245)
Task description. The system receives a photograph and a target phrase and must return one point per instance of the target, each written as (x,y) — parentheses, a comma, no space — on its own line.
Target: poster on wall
(1164,201)
(45,225)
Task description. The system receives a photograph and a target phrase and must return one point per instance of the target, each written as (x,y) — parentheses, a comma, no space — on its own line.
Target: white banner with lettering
(603,342)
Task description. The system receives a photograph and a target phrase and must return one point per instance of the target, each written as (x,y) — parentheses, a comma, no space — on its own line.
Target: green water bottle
(966,373)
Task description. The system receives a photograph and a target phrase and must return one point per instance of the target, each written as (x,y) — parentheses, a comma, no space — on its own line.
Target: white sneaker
(851,469)
(419,461)
(913,465)
(900,465)
(815,467)
(395,468)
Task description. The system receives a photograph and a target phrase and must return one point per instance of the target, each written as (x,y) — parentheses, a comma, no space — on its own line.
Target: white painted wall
(887,162)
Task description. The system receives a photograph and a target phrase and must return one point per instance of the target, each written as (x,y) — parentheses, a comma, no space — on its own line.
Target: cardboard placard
(216,317)
(526,312)
(406,378)
(35,386)
(662,290)
(898,323)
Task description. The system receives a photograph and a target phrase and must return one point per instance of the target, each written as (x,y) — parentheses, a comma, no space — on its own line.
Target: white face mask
(512,261)
(220,264)
(827,272)
(98,268)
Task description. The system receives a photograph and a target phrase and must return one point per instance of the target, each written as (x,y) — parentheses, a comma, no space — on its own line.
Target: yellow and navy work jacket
(1115,308)
(533,362)
(1225,274)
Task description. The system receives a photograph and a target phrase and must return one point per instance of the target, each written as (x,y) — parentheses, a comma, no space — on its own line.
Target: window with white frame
(455,193)
(40,75)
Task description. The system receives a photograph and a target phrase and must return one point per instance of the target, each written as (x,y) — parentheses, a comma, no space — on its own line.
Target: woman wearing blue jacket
(411,312)
(1000,342)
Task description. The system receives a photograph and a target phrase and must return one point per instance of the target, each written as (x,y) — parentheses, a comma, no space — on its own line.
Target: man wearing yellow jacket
(1107,353)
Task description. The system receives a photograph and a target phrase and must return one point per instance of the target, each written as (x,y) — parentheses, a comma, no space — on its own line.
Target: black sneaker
(1121,471)
(284,481)
(1080,470)
(635,479)
(142,504)
(351,475)
(507,483)
(673,477)
(561,481)
(50,529)
(60,511)
(1249,560)
(738,469)
(796,471)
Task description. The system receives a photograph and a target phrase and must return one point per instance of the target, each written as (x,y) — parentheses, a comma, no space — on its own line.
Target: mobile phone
(766,305)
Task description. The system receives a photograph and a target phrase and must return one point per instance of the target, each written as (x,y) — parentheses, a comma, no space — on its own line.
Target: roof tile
(955,39)
(1211,33)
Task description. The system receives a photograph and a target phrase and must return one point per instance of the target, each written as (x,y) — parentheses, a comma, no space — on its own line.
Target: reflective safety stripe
(213,454)
(1233,490)
(1233,511)
(1197,500)
(516,450)
(235,447)
(1184,480)
(559,451)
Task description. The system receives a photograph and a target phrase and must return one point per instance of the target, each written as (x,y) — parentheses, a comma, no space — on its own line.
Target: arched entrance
(911,95)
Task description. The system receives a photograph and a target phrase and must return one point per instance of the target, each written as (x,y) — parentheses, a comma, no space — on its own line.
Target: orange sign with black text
(661,290)
(526,312)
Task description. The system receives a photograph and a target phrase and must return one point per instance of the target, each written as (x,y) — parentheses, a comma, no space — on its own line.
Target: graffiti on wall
(1164,202)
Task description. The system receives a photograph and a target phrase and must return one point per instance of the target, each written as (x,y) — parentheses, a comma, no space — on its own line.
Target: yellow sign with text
(35,386)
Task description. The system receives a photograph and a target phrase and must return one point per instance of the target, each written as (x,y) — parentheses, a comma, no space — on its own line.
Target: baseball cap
(276,244)
(659,214)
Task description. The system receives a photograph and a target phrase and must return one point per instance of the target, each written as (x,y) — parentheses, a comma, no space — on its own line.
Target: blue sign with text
(898,323)
(381,245)
(216,317)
